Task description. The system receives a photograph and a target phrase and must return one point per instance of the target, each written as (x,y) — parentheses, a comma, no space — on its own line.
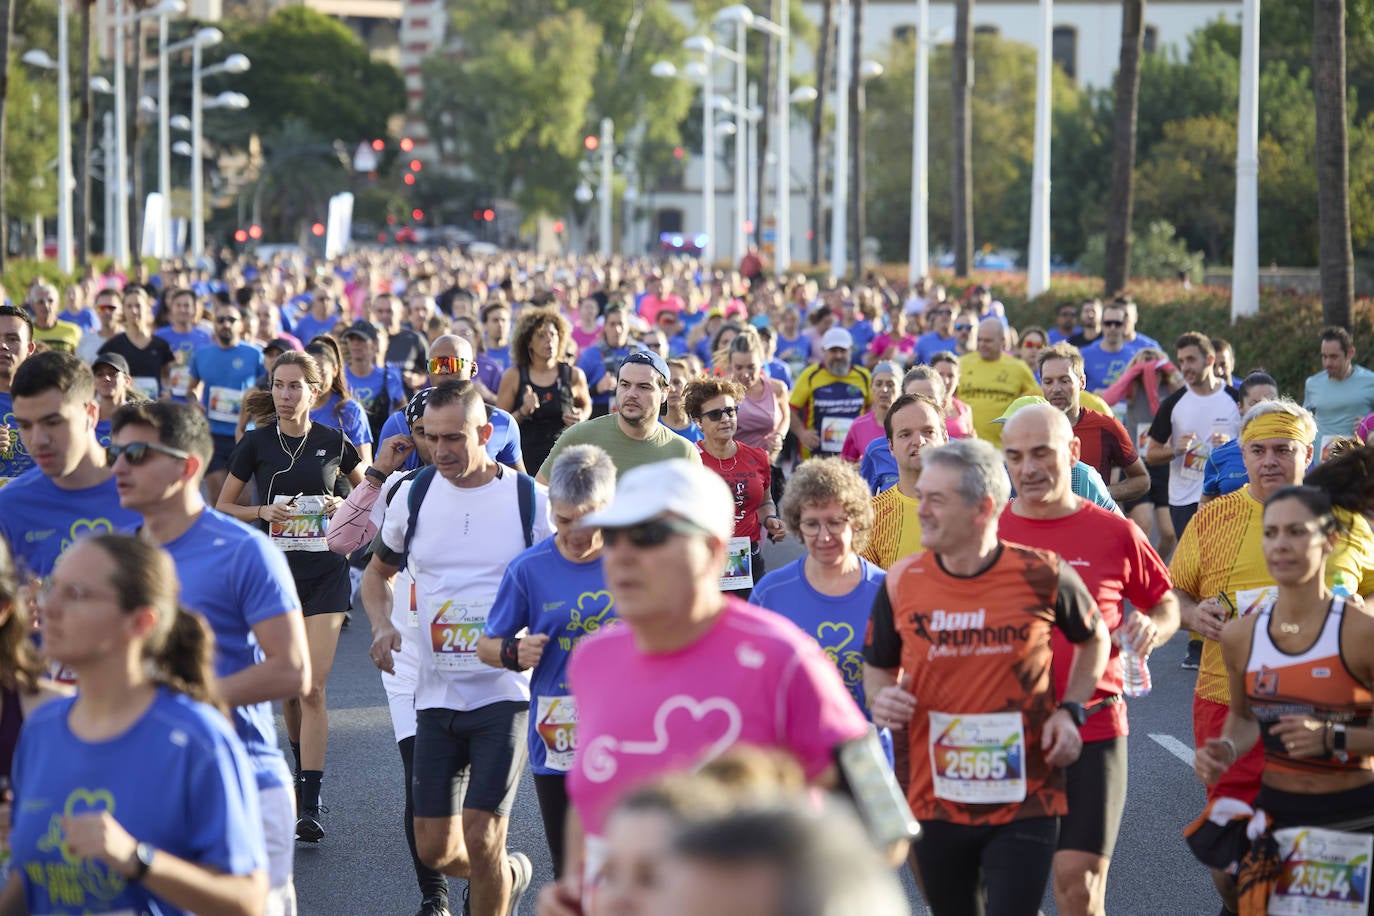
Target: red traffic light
(416,165)
(678,152)
(417,214)
(558,225)
(489,215)
(379,145)
(591,143)
(255,232)
(410,178)
(241,236)
(407,144)
(317,229)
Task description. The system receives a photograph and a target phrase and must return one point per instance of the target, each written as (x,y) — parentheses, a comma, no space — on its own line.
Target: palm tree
(962,165)
(1117,254)
(1333,161)
(6,38)
(823,66)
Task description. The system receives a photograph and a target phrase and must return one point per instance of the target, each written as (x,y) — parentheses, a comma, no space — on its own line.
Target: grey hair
(582,475)
(984,476)
(1284,406)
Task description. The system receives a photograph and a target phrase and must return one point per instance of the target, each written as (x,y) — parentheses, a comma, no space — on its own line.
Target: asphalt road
(362,866)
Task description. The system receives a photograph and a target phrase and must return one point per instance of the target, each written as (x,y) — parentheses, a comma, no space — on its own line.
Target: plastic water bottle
(1339,588)
(1135,673)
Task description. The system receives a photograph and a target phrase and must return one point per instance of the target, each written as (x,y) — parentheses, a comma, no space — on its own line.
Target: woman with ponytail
(140,778)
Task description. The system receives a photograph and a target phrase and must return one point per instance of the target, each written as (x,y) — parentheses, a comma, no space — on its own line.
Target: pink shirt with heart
(754,678)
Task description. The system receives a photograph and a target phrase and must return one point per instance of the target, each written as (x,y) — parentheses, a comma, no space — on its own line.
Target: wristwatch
(143,860)
(375,475)
(1338,739)
(1076,712)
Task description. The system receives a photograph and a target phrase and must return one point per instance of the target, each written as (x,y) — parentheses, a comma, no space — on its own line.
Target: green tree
(309,67)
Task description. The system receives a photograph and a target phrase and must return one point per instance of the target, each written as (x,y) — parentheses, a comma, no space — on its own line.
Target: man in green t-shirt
(632,435)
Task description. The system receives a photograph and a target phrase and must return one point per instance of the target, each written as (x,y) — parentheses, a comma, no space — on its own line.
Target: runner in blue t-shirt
(336,406)
(233,576)
(379,389)
(601,361)
(184,336)
(557,590)
(16,345)
(71,493)
(219,375)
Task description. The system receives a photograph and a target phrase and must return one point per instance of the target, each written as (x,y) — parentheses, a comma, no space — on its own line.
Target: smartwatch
(1338,739)
(1076,712)
(375,475)
(143,860)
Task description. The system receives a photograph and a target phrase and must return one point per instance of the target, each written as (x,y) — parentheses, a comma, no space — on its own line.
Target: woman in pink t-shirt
(895,343)
(588,325)
(958,415)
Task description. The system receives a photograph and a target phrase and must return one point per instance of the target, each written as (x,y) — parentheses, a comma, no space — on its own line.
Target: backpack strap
(524,486)
(418,488)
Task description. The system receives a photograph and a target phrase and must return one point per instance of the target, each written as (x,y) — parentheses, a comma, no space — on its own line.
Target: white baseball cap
(678,487)
(837,337)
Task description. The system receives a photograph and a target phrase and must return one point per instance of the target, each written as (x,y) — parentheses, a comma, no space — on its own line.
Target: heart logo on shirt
(590,613)
(712,724)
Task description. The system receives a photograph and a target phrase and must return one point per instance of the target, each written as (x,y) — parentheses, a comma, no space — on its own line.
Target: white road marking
(1176,747)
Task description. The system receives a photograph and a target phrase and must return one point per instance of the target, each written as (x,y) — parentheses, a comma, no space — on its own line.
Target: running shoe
(309,828)
(1193,659)
(433,906)
(523,873)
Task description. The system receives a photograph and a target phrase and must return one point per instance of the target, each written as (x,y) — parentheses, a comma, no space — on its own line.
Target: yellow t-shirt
(1093,402)
(1232,561)
(896,528)
(988,387)
(62,336)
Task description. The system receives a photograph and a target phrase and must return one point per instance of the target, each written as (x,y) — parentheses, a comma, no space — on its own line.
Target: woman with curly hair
(543,391)
(828,592)
(713,403)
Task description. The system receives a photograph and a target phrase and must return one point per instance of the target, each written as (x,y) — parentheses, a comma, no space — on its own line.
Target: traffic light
(379,145)
(410,178)
(591,143)
(407,144)
(489,215)
(558,226)
(255,232)
(417,214)
(416,165)
(317,229)
(241,236)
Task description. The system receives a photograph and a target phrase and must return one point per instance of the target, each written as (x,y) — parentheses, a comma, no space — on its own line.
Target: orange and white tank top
(1314,683)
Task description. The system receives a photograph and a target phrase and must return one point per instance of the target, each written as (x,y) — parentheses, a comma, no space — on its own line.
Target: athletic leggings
(986,871)
(432,883)
(553,809)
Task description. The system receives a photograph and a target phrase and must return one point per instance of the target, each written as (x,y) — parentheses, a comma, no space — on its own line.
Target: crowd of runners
(546,486)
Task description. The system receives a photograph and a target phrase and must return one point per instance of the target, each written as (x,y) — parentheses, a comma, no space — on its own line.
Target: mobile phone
(1225,600)
(873,787)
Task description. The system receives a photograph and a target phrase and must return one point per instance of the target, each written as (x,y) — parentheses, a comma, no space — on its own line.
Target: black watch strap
(373,474)
(1076,712)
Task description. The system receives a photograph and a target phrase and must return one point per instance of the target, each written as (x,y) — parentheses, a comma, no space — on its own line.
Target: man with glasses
(456,536)
(108,318)
(1064,326)
(70,493)
(47,326)
(633,435)
(692,672)
(219,375)
(233,577)
(1107,358)
(965,323)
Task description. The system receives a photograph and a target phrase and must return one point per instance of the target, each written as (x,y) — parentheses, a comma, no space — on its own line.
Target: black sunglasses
(715,415)
(137,452)
(653,533)
(1113,324)
(226,319)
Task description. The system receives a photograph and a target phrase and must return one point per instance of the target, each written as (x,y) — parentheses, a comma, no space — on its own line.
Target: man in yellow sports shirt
(913,422)
(1219,572)
(989,380)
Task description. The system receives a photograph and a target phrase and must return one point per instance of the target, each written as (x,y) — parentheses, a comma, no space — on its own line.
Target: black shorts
(219,458)
(1096,788)
(1158,494)
(1009,863)
(326,593)
(469,759)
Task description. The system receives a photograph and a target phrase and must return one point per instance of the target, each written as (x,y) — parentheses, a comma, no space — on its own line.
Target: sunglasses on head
(653,533)
(447,365)
(137,452)
(716,415)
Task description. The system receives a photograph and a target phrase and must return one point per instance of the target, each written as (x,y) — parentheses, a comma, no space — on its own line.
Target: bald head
(1040,450)
(991,338)
(451,345)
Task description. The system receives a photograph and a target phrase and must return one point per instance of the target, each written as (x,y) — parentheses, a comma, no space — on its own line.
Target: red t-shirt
(1115,560)
(749,478)
(1103,442)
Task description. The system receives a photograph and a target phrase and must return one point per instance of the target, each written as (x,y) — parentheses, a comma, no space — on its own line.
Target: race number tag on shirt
(1250,600)
(225,404)
(978,759)
(454,631)
(146,385)
(556,723)
(306,526)
(1142,437)
(833,431)
(1324,872)
(1195,461)
(739,568)
(413,615)
(179,380)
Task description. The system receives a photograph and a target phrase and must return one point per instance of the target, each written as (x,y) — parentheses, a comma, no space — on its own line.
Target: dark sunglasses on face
(653,533)
(963,327)
(137,452)
(715,416)
(1113,324)
(226,319)
(446,365)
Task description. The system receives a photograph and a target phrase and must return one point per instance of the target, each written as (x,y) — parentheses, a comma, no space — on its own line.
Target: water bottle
(1135,673)
(1339,588)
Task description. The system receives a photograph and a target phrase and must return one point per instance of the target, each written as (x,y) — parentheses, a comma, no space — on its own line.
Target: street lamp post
(839,201)
(234,63)
(918,255)
(1038,251)
(38,58)
(164,139)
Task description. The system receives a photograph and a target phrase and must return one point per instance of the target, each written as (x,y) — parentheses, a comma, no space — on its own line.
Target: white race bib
(1324,872)
(179,380)
(456,626)
(225,404)
(979,759)
(1250,600)
(146,385)
(1195,461)
(833,431)
(556,724)
(306,526)
(739,566)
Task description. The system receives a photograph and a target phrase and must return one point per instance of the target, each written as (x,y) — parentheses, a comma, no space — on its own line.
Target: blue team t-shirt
(1103,368)
(85,319)
(930,343)
(40,519)
(837,622)
(183,347)
(349,417)
(308,327)
(235,578)
(599,361)
(177,779)
(383,382)
(16,461)
(795,352)
(501,355)
(1224,471)
(225,375)
(548,593)
(862,334)
(503,446)
(692,433)
(877,466)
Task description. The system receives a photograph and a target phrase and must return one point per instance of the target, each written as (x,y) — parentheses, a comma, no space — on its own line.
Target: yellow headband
(1274,426)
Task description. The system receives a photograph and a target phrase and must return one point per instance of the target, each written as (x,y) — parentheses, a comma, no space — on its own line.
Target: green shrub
(1157,255)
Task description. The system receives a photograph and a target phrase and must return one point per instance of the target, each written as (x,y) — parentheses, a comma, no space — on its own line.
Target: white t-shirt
(1201,415)
(465,539)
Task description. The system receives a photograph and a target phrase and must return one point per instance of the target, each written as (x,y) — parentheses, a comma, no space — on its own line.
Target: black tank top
(541,429)
(11,718)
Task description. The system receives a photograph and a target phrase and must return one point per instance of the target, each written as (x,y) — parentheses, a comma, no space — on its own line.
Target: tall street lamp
(1038,251)
(839,202)
(39,58)
(234,63)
